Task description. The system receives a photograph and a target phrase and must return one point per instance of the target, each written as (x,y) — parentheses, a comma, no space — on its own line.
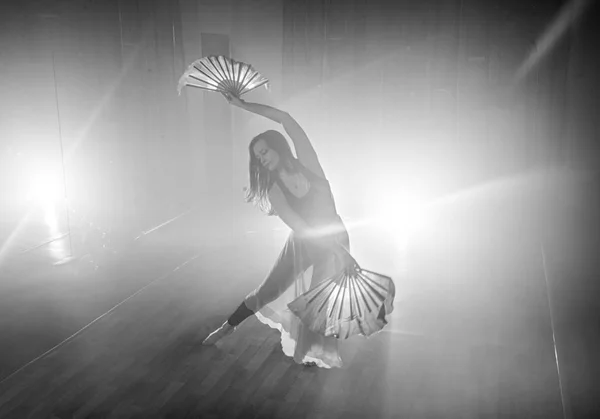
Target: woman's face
(268,157)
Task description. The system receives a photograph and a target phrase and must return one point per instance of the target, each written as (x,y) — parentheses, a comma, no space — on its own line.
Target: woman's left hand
(233,100)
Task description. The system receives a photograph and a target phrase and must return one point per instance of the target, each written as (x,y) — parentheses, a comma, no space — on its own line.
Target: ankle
(240,314)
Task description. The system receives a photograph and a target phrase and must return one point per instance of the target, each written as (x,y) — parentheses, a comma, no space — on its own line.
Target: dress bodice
(317,206)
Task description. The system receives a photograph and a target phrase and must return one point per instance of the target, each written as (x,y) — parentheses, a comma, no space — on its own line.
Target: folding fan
(221,74)
(348,303)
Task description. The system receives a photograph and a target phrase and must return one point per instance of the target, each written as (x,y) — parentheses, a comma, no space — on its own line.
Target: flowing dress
(302,265)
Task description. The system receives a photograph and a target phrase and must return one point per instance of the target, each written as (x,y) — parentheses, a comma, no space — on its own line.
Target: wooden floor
(144,360)
(122,369)
(470,337)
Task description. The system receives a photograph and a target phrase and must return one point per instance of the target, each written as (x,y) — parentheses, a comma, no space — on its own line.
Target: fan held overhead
(222,74)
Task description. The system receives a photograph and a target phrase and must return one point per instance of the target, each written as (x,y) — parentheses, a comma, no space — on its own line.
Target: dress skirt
(301,265)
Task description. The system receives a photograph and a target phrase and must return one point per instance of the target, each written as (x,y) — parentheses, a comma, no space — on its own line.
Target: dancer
(298,192)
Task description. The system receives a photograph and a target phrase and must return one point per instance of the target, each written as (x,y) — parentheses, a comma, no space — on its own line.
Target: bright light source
(402,211)
(45,187)
(403,215)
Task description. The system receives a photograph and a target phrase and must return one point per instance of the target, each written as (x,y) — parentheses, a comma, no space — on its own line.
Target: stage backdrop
(90,87)
(384,74)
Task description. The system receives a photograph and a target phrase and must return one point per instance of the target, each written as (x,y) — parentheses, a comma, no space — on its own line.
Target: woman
(296,190)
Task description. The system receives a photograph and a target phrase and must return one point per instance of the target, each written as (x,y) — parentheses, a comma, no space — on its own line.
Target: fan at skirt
(221,74)
(348,303)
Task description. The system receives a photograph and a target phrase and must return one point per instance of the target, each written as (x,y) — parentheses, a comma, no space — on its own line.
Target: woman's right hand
(346,260)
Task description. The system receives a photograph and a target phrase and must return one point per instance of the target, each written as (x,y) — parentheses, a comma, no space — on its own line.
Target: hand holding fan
(222,74)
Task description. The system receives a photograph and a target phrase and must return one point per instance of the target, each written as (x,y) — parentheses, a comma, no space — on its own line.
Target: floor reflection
(57,249)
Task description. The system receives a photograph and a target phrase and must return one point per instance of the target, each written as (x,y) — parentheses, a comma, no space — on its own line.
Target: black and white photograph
(299,209)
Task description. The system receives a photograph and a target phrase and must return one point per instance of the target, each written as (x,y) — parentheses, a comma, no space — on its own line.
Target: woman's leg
(280,278)
(239,315)
(292,261)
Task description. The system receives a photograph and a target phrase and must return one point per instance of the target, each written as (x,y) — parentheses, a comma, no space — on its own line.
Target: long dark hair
(261,179)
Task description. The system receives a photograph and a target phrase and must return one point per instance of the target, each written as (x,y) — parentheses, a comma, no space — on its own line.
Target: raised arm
(304,149)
